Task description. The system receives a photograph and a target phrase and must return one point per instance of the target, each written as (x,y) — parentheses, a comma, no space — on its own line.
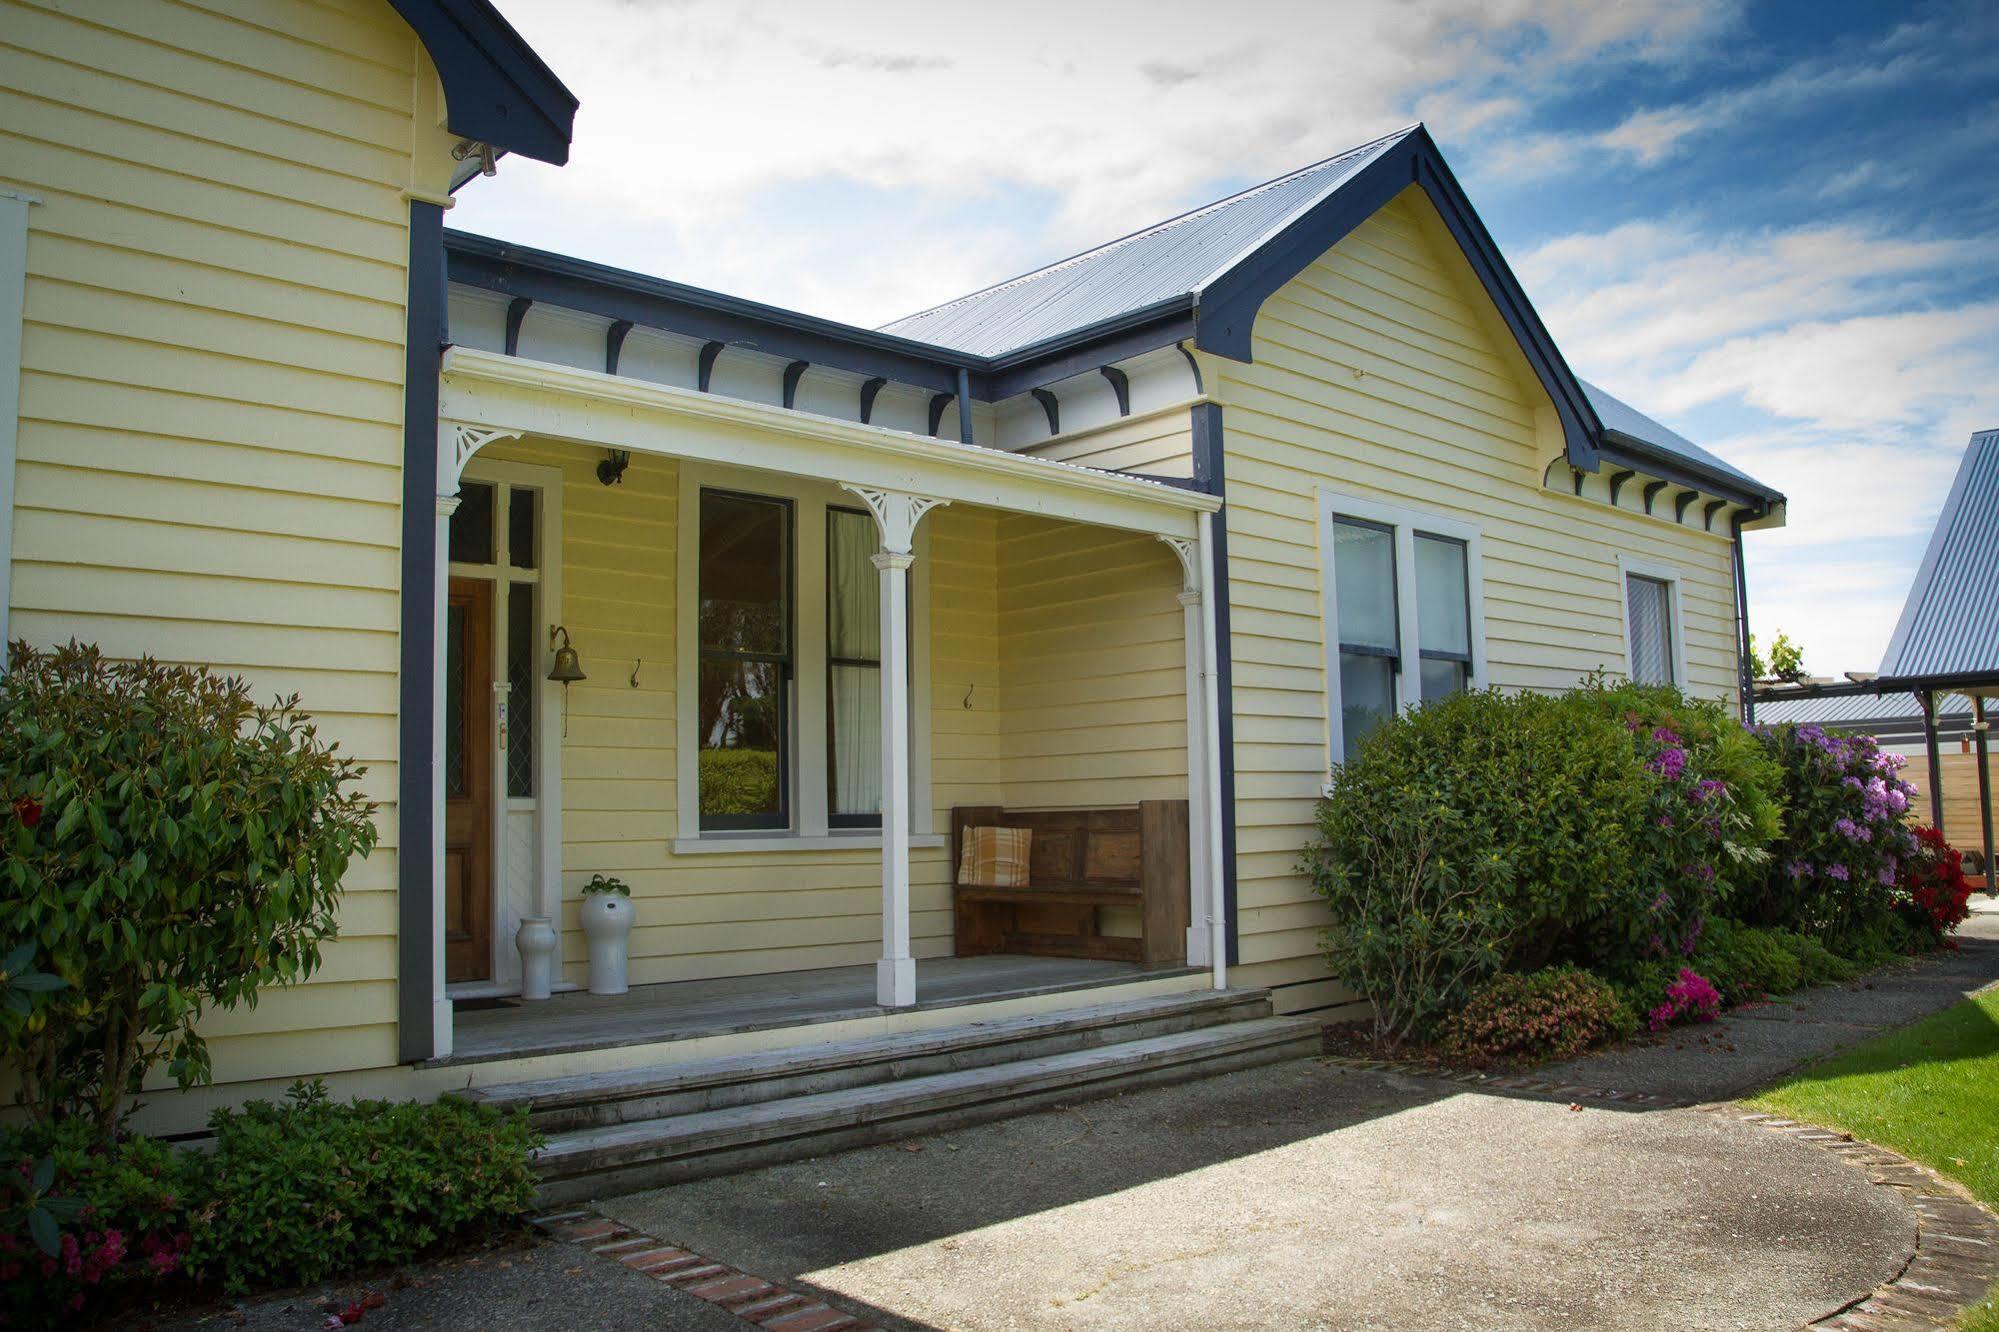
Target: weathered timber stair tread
(585,1088)
(797,1117)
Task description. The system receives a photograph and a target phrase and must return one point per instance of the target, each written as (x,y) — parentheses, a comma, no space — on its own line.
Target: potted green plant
(607,924)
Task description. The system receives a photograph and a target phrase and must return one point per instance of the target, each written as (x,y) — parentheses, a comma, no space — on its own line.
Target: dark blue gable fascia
(496,89)
(1226,310)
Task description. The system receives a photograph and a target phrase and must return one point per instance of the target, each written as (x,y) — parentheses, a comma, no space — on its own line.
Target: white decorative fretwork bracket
(1190,567)
(456,443)
(897,513)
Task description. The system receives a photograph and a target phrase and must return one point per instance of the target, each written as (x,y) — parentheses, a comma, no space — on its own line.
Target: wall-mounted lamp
(612,470)
(567,669)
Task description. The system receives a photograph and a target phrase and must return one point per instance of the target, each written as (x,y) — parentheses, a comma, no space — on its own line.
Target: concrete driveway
(1307,1195)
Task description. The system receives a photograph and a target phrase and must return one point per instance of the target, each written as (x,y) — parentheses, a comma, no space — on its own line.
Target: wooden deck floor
(683,1009)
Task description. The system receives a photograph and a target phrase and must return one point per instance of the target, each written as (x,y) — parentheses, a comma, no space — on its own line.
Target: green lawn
(1930,1092)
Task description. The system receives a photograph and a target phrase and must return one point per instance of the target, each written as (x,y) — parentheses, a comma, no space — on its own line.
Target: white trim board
(1407,523)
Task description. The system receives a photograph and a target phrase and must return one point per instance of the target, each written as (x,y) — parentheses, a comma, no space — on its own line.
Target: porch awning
(490,391)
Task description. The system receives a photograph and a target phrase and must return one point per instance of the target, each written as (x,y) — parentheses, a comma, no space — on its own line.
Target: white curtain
(1651,630)
(853,641)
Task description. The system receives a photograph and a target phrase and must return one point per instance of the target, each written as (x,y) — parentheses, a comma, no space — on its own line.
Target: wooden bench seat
(1080,861)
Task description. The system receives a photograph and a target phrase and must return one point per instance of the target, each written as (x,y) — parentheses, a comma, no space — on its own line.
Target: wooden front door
(468,781)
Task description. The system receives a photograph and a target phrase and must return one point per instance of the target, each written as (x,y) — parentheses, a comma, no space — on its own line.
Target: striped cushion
(994,857)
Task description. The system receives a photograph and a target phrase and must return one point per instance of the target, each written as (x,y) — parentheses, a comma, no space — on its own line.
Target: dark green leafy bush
(306,1189)
(123,1228)
(1556,1013)
(1744,963)
(171,848)
(1470,837)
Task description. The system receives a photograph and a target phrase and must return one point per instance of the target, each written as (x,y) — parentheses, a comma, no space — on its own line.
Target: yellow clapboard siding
(1378,372)
(211,401)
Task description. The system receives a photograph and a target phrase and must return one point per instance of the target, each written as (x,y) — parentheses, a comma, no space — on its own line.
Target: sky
(1773,227)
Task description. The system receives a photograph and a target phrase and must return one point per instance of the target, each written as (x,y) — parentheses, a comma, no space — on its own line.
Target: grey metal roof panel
(1857,710)
(1622,417)
(1156,264)
(1950,623)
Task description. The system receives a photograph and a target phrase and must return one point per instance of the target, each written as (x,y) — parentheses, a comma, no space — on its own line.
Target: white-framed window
(1404,612)
(779,626)
(1655,647)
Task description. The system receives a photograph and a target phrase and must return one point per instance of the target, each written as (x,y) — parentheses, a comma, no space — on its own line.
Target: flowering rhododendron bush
(1937,896)
(1837,868)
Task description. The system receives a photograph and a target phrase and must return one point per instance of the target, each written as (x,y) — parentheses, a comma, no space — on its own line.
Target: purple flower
(1665,820)
(1700,870)
(1886,876)
(1837,872)
(1665,735)
(1797,869)
(1662,901)
(1669,763)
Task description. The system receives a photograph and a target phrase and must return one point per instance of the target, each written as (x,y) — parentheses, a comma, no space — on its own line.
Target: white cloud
(1106,116)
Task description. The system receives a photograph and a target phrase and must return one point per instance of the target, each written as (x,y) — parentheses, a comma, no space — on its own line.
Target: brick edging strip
(762,1302)
(1956,1260)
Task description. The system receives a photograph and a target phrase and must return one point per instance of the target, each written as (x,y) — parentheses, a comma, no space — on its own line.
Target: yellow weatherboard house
(961,684)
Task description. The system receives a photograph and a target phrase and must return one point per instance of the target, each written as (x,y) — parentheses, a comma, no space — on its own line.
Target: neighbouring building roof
(1950,623)
(1858,710)
(1171,259)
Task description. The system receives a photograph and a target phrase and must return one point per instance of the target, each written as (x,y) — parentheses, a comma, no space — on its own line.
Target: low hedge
(1556,1013)
(292,1193)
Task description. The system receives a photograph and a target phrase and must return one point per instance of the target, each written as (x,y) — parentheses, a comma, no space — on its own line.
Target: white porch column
(897,514)
(1218,948)
(1191,632)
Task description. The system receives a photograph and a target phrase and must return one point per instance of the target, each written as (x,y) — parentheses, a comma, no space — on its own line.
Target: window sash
(853,665)
(782,660)
(1648,605)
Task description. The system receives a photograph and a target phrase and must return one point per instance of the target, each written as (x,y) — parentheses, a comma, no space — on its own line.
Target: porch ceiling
(496,391)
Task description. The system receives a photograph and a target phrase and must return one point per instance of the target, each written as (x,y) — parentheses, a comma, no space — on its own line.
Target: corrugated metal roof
(1950,623)
(1621,416)
(1156,264)
(1857,709)
(1174,258)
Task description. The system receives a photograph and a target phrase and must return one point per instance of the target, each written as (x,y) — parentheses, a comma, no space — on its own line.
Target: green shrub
(307,1189)
(1469,837)
(738,781)
(171,848)
(1744,963)
(124,1224)
(1552,1014)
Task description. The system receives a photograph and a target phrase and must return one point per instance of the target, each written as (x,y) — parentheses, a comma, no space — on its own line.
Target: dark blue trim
(1651,492)
(1229,306)
(1680,503)
(611,293)
(496,89)
(1206,433)
(417,642)
(517,313)
(1576,478)
(1625,451)
(1051,406)
(1120,385)
(1708,511)
(792,374)
(614,344)
(1745,679)
(938,402)
(869,391)
(706,369)
(1192,365)
(964,405)
(1088,349)
(1617,480)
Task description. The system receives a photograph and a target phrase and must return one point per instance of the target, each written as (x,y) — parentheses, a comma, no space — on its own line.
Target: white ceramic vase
(607,923)
(536,941)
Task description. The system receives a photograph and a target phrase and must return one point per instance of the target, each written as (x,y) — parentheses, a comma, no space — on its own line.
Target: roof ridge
(1155,228)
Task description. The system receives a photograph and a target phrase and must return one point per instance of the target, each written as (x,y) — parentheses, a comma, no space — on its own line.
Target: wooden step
(623,1095)
(597,1162)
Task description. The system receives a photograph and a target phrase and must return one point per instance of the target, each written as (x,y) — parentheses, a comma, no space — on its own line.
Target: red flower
(28,810)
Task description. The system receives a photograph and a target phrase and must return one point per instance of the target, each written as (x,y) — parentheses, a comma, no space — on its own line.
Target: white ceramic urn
(536,941)
(607,924)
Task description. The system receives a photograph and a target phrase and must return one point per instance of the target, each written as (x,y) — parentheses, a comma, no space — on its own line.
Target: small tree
(170,848)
